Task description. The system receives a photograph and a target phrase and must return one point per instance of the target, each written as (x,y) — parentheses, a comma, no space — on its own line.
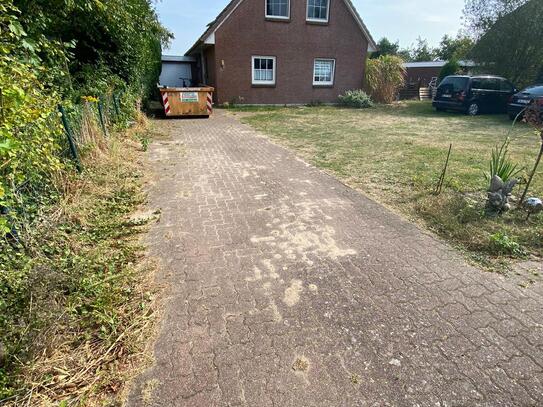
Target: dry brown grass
(396,153)
(75,363)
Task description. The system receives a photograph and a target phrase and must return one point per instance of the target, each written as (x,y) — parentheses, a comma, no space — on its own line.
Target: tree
(480,15)
(450,68)
(422,51)
(405,54)
(100,41)
(454,48)
(386,47)
(512,46)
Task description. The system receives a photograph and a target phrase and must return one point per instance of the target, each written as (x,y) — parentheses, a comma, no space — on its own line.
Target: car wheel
(473,109)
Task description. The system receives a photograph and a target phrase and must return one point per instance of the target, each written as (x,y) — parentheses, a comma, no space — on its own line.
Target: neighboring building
(421,74)
(177,71)
(283,51)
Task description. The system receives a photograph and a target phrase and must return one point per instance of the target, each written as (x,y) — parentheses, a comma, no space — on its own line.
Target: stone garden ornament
(500,193)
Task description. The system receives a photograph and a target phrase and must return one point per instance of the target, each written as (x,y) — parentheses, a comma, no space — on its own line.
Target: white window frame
(318,20)
(277,17)
(260,82)
(327,83)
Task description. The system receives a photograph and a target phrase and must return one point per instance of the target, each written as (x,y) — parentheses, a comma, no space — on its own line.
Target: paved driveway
(287,288)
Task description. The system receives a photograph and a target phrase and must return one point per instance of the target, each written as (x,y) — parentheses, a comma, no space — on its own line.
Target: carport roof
(177,58)
(435,64)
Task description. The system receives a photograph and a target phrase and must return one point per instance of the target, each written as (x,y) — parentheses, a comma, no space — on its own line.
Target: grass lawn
(396,154)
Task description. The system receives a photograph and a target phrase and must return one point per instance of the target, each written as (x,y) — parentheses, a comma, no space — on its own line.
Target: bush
(501,243)
(450,68)
(539,78)
(52,262)
(356,98)
(384,78)
(30,131)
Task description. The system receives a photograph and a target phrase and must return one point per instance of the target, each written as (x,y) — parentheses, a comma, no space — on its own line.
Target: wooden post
(71,142)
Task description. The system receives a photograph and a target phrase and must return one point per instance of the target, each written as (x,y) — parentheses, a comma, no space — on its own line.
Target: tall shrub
(29,127)
(450,68)
(54,52)
(104,40)
(512,45)
(384,78)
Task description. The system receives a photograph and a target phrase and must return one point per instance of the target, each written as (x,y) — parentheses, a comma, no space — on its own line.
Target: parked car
(474,94)
(532,95)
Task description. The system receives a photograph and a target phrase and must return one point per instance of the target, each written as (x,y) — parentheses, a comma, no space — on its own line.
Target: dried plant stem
(5,164)
(439,186)
(533,171)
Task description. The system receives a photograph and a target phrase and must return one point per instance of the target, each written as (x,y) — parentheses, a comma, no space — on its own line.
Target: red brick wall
(295,44)
(210,68)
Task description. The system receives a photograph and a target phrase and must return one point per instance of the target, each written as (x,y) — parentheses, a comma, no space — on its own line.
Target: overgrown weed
(79,292)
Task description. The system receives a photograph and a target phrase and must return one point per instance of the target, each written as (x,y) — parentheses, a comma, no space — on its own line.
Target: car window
(506,86)
(486,84)
(534,90)
(494,84)
(477,84)
(457,84)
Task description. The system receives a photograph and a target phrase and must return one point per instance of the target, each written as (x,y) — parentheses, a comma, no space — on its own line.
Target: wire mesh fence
(87,125)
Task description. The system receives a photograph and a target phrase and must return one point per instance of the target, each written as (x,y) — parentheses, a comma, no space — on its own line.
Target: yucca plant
(501,165)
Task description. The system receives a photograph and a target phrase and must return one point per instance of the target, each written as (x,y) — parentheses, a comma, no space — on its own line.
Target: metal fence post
(71,142)
(116,105)
(101,114)
(2,105)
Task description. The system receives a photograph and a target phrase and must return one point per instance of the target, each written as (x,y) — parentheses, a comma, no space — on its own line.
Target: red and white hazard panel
(166,103)
(210,103)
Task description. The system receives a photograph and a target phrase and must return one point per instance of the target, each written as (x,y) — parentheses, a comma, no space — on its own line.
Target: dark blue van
(474,94)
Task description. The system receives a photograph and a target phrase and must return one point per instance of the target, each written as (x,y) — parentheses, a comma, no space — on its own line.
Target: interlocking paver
(286,288)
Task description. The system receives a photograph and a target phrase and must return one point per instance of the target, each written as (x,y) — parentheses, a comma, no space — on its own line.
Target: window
(486,84)
(477,84)
(454,83)
(534,90)
(492,84)
(263,70)
(278,9)
(506,86)
(323,72)
(317,10)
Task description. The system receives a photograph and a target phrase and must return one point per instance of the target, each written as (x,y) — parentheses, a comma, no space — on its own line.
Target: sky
(398,20)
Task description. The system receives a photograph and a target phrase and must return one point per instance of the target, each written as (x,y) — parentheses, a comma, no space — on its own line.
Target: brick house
(283,51)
